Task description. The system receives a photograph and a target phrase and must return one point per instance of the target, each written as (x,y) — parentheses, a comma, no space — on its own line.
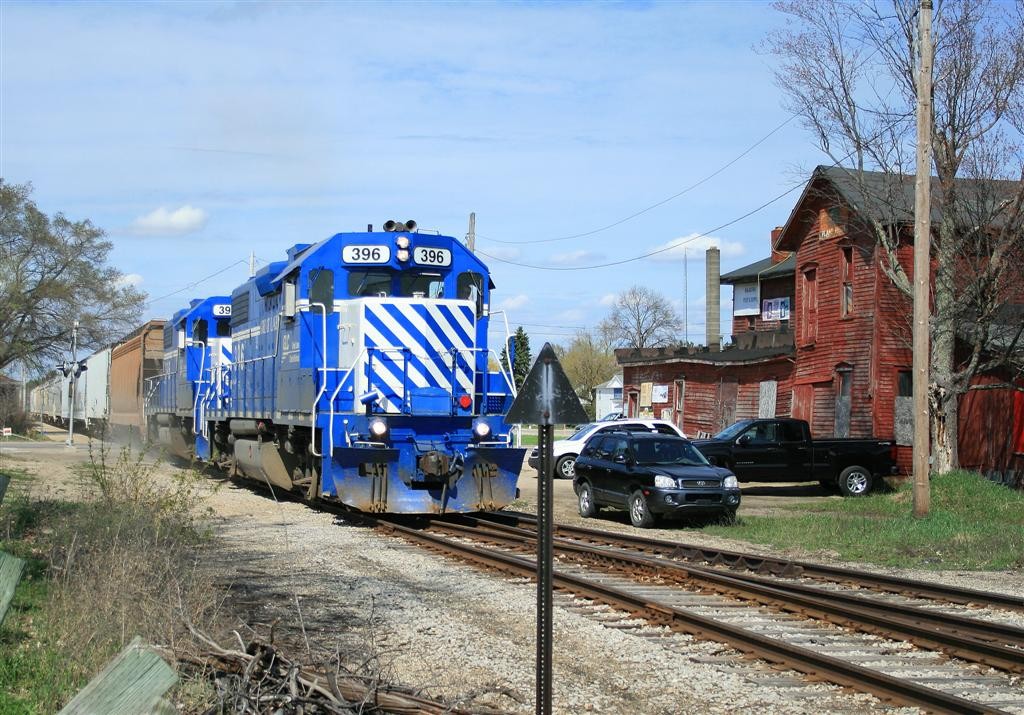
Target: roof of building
(889,198)
(763,269)
(729,356)
(613,383)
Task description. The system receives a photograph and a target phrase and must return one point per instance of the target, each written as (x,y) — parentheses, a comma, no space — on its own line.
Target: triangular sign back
(547,397)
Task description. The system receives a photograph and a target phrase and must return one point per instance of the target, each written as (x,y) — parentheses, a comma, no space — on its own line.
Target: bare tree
(849,71)
(53,272)
(588,362)
(641,318)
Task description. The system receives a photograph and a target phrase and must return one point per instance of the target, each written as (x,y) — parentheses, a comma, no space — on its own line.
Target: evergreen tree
(523,359)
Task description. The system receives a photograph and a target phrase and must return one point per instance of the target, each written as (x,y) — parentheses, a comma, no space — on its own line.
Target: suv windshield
(668,451)
(581,432)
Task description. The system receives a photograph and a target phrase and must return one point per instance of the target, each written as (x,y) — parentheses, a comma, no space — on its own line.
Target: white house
(608,397)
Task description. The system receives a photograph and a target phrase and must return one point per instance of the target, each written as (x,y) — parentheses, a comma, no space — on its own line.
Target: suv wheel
(639,514)
(565,467)
(855,481)
(585,500)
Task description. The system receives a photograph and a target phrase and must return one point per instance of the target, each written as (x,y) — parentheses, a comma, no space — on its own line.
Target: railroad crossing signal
(547,399)
(68,368)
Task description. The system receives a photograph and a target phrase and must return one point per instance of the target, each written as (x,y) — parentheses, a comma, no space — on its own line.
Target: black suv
(650,475)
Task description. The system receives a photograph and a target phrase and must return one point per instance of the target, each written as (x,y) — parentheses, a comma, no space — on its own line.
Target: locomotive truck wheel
(639,513)
(585,500)
(565,467)
(855,481)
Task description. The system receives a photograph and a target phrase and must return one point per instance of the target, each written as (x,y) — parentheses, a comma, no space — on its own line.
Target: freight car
(134,361)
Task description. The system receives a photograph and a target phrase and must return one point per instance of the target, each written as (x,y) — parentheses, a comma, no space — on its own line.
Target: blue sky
(196,132)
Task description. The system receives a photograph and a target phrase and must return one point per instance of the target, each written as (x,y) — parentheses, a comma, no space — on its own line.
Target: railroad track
(903,653)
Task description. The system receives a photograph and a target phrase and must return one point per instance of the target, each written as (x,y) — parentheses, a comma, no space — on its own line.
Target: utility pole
(73,376)
(922,262)
(471,236)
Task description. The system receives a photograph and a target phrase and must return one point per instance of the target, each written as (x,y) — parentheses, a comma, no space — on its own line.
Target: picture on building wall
(745,299)
(645,393)
(659,394)
(775,309)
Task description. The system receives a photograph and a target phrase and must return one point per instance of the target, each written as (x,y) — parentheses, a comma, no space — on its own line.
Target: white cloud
(503,254)
(163,222)
(514,302)
(693,247)
(575,258)
(130,279)
(608,300)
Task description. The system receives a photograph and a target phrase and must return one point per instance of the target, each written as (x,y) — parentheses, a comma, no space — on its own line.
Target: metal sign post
(74,376)
(546,399)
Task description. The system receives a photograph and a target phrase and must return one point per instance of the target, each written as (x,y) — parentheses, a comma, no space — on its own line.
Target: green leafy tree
(523,360)
(53,271)
(588,362)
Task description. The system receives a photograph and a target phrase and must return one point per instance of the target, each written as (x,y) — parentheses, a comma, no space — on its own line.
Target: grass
(973,524)
(122,562)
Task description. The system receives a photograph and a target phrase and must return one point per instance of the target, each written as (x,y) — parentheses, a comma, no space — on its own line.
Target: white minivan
(566,450)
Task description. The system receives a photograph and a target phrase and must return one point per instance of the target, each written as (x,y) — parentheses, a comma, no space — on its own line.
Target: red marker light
(465,401)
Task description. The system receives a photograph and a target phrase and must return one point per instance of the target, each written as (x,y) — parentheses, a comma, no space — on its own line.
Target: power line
(194,283)
(704,234)
(653,206)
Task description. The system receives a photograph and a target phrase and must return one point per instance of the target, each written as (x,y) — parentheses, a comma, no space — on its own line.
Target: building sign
(659,394)
(744,299)
(775,309)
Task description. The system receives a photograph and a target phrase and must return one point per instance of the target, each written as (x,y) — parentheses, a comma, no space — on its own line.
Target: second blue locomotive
(357,369)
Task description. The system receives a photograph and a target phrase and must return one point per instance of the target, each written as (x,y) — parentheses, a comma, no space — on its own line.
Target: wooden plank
(11,569)
(133,682)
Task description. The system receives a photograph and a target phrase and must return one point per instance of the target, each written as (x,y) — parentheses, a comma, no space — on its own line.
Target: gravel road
(429,622)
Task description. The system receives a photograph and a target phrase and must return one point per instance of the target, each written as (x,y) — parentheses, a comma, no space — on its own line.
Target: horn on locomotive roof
(390,225)
(410,225)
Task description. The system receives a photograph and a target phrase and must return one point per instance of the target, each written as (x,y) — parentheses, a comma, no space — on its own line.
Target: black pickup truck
(781,450)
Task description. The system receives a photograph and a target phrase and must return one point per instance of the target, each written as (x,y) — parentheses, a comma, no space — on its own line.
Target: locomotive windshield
(422,285)
(369,283)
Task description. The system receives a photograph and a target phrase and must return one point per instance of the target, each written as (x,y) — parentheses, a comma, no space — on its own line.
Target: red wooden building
(821,333)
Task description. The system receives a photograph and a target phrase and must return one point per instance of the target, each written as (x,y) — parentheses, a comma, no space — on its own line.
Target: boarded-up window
(766,398)
(803,402)
(727,390)
(844,387)
(810,305)
(680,403)
(847,296)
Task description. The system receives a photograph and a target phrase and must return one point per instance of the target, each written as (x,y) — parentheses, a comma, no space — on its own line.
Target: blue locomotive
(196,357)
(358,369)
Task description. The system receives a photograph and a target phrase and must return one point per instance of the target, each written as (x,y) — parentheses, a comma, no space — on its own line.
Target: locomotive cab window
(422,285)
(199,331)
(321,288)
(223,327)
(470,286)
(369,283)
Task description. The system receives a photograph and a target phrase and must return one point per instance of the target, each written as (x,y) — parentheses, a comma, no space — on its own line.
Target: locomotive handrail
(334,395)
(198,383)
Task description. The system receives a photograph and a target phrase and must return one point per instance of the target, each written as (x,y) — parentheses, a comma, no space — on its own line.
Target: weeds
(124,562)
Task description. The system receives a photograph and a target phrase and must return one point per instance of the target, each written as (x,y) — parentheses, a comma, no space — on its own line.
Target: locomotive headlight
(379,428)
(481,430)
(402,254)
(402,241)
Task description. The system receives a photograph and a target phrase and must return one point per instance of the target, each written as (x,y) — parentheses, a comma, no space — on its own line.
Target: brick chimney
(777,256)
